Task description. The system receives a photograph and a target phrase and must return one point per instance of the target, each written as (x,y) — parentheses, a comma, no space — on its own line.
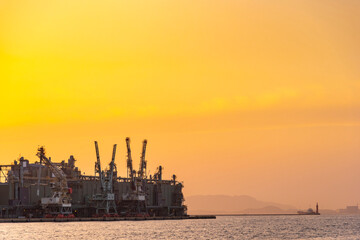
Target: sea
(223,227)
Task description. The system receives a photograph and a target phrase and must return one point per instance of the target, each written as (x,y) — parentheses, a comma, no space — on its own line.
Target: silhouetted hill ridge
(202,204)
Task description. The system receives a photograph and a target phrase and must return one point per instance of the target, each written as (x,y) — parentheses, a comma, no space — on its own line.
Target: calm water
(257,227)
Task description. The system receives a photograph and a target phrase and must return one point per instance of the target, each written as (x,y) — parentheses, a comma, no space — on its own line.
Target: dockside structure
(25,184)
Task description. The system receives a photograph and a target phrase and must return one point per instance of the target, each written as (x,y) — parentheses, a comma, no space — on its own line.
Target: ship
(48,189)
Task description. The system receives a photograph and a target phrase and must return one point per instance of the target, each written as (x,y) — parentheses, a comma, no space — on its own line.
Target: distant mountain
(223,204)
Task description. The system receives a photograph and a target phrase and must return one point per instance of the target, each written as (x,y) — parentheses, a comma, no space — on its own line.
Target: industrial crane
(105,201)
(110,173)
(60,202)
(98,166)
(136,197)
(129,160)
(131,172)
(142,167)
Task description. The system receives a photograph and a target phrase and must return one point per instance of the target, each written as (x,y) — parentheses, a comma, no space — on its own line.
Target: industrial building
(58,189)
(350,210)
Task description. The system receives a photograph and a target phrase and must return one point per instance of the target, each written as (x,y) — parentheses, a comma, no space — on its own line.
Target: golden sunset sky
(256,97)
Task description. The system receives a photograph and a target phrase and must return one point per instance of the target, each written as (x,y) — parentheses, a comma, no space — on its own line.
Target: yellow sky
(235,97)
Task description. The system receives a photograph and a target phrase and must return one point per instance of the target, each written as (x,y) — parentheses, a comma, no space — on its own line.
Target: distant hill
(223,204)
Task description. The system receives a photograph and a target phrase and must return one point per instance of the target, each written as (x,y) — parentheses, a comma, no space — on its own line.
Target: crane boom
(142,168)
(98,166)
(129,159)
(58,173)
(111,171)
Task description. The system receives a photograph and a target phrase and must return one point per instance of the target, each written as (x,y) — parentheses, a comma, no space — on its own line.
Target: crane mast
(142,167)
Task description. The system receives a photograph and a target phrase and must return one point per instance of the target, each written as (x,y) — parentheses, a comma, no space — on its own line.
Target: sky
(235,97)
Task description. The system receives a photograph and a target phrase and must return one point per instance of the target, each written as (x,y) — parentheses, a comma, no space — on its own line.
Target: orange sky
(255,97)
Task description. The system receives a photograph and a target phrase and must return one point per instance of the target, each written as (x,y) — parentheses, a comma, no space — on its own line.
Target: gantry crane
(60,201)
(105,200)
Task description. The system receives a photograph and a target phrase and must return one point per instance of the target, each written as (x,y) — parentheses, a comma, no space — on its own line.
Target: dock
(24,220)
